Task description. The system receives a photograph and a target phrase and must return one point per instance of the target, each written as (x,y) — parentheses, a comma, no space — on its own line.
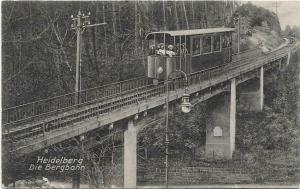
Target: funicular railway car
(187,50)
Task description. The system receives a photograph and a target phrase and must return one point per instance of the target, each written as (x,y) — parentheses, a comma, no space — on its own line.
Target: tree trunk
(193,16)
(119,17)
(136,26)
(205,16)
(176,15)
(185,15)
(224,13)
(105,42)
(20,53)
(141,41)
(152,15)
(94,43)
(114,27)
(164,16)
(231,8)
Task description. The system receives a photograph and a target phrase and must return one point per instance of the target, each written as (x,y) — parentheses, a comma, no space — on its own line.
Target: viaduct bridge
(31,127)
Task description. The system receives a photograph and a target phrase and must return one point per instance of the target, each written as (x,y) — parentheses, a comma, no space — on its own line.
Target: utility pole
(237,22)
(186,18)
(239,33)
(164,15)
(80,22)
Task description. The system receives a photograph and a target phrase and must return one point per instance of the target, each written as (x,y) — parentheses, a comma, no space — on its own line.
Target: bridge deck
(37,134)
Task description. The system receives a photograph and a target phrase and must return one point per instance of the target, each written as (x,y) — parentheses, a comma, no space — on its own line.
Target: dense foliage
(186,131)
(264,140)
(257,16)
(38,46)
(38,61)
(270,139)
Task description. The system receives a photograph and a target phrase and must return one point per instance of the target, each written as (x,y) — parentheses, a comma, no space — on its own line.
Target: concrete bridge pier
(130,155)
(280,68)
(289,56)
(76,181)
(251,94)
(220,126)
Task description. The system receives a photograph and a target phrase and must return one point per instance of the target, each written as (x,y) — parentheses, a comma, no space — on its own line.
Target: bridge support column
(280,65)
(76,181)
(130,156)
(220,126)
(289,57)
(251,97)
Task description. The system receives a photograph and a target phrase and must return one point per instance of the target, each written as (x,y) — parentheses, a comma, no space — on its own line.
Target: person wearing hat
(152,50)
(170,51)
(184,49)
(161,51)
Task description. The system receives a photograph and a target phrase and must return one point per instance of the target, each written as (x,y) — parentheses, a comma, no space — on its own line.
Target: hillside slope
(259,28)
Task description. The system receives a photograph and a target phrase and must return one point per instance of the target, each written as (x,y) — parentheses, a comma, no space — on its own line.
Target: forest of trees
(38,61)
(38,45)
(256,16)
(293,31)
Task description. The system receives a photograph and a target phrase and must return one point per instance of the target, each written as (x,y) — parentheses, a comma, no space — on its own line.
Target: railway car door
(162,59)
(226,43)
(184,54)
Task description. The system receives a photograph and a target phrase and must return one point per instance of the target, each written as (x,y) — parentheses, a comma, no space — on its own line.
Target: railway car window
(151,43)
(206,46)
(230,39)
(224,41)
(196,46)
(217,46)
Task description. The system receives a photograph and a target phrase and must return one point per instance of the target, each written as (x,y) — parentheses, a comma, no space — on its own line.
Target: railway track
(116,101)
(52,106)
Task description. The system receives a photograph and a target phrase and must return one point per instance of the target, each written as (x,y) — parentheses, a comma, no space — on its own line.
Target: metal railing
(63,102)
(251,52)
(131,96)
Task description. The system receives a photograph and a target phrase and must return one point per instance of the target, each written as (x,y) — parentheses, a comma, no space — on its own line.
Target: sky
(288,11)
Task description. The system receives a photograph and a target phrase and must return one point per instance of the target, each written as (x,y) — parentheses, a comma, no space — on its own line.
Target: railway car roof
(192,32)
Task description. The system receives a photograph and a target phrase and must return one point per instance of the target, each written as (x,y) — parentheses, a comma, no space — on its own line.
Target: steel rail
(126,98)
(19,114)
(131,97)
(83,103)
(83,107)
(64,102)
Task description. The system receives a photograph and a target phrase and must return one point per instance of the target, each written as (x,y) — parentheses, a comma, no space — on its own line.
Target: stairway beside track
(194,176)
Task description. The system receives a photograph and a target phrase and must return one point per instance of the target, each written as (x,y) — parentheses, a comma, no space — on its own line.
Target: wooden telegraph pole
(237,22)
(80,22)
